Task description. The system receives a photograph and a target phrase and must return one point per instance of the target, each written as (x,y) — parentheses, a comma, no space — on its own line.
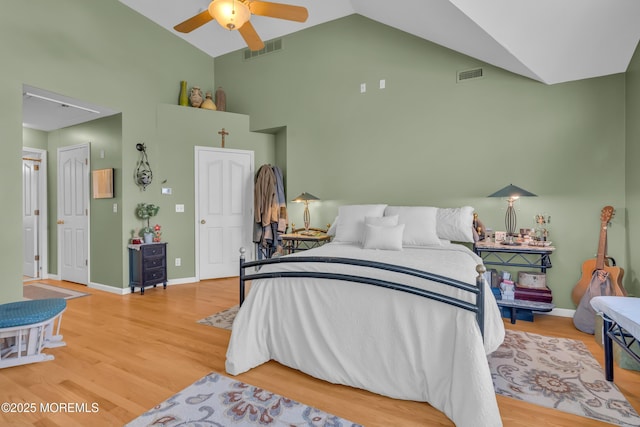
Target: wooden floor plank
(128,353)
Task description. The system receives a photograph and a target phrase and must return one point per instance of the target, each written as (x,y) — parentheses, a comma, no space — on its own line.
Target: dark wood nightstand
(147,265)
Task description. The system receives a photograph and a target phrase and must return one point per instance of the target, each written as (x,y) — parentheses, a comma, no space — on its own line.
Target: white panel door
(224,203)
(73,213)
(30,212)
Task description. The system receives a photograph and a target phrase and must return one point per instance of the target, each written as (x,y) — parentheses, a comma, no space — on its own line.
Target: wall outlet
(363,87)
(179,208)
(178,262)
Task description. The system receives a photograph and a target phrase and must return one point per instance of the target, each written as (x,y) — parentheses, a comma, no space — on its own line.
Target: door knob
(202,221)
(61,221)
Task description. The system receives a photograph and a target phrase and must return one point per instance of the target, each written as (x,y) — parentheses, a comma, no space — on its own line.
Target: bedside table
(526,256)
(147,265)
(294,242)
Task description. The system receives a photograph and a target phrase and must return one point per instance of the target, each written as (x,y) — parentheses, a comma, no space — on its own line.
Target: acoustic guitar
(600,265)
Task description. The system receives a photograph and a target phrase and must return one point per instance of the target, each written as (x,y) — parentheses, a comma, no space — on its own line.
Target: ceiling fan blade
(279,10)
(194,22)
(251,37)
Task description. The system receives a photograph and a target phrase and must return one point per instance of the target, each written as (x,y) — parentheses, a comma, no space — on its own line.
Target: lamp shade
(513,192)
(230,14)
(305,197)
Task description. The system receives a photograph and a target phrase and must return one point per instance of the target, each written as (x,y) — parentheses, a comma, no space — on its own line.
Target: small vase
(196,97)
(221,99)
(208,104)
(184,97)
(148,237)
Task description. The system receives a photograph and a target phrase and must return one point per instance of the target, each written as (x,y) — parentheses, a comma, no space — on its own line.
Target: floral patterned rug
(223,319)
(558,373)
(218,401)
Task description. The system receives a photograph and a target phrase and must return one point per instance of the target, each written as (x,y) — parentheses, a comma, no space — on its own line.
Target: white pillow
(384,221)
(455,224)
(332,229)
(350,224)
(380,237)
(420,224)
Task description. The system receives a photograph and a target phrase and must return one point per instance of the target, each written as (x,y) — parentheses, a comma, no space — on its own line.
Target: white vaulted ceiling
(552,41)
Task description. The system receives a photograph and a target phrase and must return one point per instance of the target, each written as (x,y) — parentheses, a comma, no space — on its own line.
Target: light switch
(363,87)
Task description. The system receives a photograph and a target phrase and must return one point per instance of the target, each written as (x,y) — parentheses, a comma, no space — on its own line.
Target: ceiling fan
(236,14)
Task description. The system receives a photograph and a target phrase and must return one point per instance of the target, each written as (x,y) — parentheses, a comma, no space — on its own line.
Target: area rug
(223,319)
(216,400)
(43,291)
(558,373)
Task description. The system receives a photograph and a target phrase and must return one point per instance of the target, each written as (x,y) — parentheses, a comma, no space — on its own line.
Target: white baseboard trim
(127,290)
(561,312)
(110,289)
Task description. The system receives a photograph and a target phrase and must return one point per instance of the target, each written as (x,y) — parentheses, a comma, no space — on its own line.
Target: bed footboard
(477,289)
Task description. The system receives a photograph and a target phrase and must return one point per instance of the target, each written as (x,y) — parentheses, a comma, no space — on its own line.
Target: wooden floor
(127,353)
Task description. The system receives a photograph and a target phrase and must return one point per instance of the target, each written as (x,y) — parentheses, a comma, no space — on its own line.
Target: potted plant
(145,211)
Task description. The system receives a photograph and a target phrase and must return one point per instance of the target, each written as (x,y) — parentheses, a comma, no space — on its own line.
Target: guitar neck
(602,247)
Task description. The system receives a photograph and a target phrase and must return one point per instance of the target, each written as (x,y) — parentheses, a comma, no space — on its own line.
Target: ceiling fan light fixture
(230,14)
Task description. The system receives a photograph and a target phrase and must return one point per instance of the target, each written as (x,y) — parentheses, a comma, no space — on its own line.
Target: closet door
(224,203)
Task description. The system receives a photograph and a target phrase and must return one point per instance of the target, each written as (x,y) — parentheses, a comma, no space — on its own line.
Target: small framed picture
(102,183)
(500,236)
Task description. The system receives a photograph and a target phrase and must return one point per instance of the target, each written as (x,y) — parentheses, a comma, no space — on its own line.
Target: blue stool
(27,327)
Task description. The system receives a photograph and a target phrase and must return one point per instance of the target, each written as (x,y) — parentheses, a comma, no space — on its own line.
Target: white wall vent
(476,73)
(269,47)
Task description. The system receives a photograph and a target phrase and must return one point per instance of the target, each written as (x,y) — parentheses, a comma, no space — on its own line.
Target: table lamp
(512,193)
(306,198)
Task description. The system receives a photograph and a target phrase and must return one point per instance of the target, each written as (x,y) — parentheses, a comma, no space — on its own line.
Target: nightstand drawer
(156,262)
(153,250)
(155,275)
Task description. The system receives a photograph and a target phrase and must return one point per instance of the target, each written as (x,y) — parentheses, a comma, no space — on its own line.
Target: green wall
(102,52)
(424,140)
(427,140)
(179,131)
(633,171)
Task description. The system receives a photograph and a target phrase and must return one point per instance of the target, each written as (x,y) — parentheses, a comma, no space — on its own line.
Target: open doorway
(34,214)
(44,112)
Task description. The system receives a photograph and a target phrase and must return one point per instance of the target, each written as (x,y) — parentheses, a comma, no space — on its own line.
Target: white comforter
(385,341)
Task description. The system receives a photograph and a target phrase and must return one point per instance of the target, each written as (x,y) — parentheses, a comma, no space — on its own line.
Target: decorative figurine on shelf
(156,233)
(196,97)
(221,99)
(208,104)
(542,231)
(183,98)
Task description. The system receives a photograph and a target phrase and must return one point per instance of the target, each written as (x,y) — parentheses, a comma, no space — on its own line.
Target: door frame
(197,150)
(43,229)
(88,204)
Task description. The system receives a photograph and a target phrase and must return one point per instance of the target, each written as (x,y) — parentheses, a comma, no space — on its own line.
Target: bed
(398,343)
(621,324)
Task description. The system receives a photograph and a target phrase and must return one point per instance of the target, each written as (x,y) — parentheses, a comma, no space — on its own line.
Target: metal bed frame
(477,290)
(612,331)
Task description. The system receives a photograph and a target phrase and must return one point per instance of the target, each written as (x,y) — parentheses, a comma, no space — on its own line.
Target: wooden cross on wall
(223,133)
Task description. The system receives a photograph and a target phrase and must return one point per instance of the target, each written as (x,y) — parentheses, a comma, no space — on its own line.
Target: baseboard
(127,290)
(561,312)
(110,289)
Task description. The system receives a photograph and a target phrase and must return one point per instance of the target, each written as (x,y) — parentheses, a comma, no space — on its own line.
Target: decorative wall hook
(143,175)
